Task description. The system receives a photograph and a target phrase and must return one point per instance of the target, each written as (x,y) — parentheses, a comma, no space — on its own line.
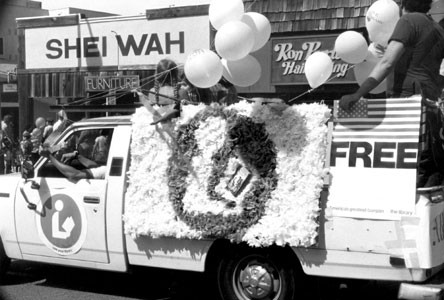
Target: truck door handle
(91,200)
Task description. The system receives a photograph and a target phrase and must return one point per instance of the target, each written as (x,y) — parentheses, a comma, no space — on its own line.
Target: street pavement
(35,281)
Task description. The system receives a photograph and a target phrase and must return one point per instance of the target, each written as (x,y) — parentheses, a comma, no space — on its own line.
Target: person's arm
(174,113)
(86,162)
(392,54)
(69,172)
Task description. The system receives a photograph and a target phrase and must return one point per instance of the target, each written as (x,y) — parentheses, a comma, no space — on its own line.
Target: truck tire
(256,273)
(4,262)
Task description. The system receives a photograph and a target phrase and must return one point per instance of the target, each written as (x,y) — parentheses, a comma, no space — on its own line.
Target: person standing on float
(414,54)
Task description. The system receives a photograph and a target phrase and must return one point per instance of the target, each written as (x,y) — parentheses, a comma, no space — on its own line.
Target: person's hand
(348,101)
(380,50)
(44,151)
(68,156)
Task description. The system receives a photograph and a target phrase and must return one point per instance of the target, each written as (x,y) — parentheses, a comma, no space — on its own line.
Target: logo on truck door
(62,224)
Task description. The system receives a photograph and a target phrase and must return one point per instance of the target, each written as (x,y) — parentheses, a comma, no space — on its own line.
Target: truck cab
(52,219)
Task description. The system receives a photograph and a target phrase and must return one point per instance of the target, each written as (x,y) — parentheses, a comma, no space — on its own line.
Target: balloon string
(311,90)
(250,5)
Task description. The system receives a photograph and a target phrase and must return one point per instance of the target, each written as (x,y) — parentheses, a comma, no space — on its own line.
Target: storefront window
(2,52)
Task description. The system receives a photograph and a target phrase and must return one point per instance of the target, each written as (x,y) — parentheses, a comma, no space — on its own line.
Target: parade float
(246,172)
(249,172)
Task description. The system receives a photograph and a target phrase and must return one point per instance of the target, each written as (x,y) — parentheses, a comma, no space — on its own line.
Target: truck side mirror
(27,169)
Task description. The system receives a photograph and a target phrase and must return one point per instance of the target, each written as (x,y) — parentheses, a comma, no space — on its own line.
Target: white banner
(373,159)
(119,42)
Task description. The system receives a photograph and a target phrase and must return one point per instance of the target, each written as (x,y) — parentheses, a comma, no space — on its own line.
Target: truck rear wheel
(249,273)
(4,262)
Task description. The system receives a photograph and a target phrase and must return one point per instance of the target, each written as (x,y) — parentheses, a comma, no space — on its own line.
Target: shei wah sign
(117,41)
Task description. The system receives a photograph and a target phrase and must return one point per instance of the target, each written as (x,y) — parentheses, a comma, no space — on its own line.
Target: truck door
(68,223)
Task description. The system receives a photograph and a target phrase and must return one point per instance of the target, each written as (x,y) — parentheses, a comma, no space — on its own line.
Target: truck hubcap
(257,281)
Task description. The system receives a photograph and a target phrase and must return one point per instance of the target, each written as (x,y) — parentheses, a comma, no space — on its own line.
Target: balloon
(381,19)
(351,47)
(203,68)
(40,122)
(261,28)
(234,40)
(224,11)
(363,70)
(318,68)
(243,72)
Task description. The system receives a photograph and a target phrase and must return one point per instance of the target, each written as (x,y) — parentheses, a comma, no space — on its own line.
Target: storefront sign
(107,83)
(289,56)
(122,42)
(9,88)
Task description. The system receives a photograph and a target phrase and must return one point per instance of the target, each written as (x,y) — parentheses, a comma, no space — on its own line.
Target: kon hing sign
(289,56)
(122,42)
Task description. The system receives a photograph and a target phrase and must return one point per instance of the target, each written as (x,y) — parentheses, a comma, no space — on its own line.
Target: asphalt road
(34,281)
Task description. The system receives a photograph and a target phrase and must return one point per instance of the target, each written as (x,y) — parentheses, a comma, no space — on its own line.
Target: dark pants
(431,154)
(2,163)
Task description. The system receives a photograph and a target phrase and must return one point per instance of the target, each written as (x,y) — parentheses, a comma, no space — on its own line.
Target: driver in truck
(92,170)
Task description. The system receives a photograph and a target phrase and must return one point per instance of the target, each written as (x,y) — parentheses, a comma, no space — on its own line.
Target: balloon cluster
(238,34)
(352,47)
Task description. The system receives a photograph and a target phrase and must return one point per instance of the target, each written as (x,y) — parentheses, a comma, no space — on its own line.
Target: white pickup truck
(45,217)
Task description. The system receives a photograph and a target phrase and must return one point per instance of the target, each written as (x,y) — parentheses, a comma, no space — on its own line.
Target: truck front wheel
(248,274)
(4,262)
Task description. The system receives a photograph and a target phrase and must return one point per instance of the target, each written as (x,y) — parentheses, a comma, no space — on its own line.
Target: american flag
(379,120)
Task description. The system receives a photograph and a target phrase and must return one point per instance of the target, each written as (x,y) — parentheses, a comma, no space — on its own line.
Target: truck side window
(92,144)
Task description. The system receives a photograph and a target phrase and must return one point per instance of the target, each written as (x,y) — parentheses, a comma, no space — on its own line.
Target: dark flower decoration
(244,139)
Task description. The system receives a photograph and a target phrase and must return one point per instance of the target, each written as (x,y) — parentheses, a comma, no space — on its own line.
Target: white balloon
(351,47)
(234,40)
(381,19)
(203,68)
(224,11)
(40,122)
(318,69)
(244,72)
(261,28)
(363,70)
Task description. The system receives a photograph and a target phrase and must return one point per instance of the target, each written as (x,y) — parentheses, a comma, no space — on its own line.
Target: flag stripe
(359,138)
(383,126)
(373,129)
(352,121)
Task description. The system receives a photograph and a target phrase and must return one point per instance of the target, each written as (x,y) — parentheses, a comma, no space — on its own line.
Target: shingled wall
(288,16)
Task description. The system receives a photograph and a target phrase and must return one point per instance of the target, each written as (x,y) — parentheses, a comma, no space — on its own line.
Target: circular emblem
(62,224)
(245,139)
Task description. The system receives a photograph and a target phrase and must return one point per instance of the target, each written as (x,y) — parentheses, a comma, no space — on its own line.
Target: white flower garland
(290,215)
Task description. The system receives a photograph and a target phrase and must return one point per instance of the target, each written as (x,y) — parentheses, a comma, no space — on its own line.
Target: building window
(2,52)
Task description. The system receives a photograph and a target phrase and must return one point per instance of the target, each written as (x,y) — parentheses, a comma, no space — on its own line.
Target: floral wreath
(245,139)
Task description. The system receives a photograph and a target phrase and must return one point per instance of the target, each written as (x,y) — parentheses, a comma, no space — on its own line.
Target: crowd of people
(14,149)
